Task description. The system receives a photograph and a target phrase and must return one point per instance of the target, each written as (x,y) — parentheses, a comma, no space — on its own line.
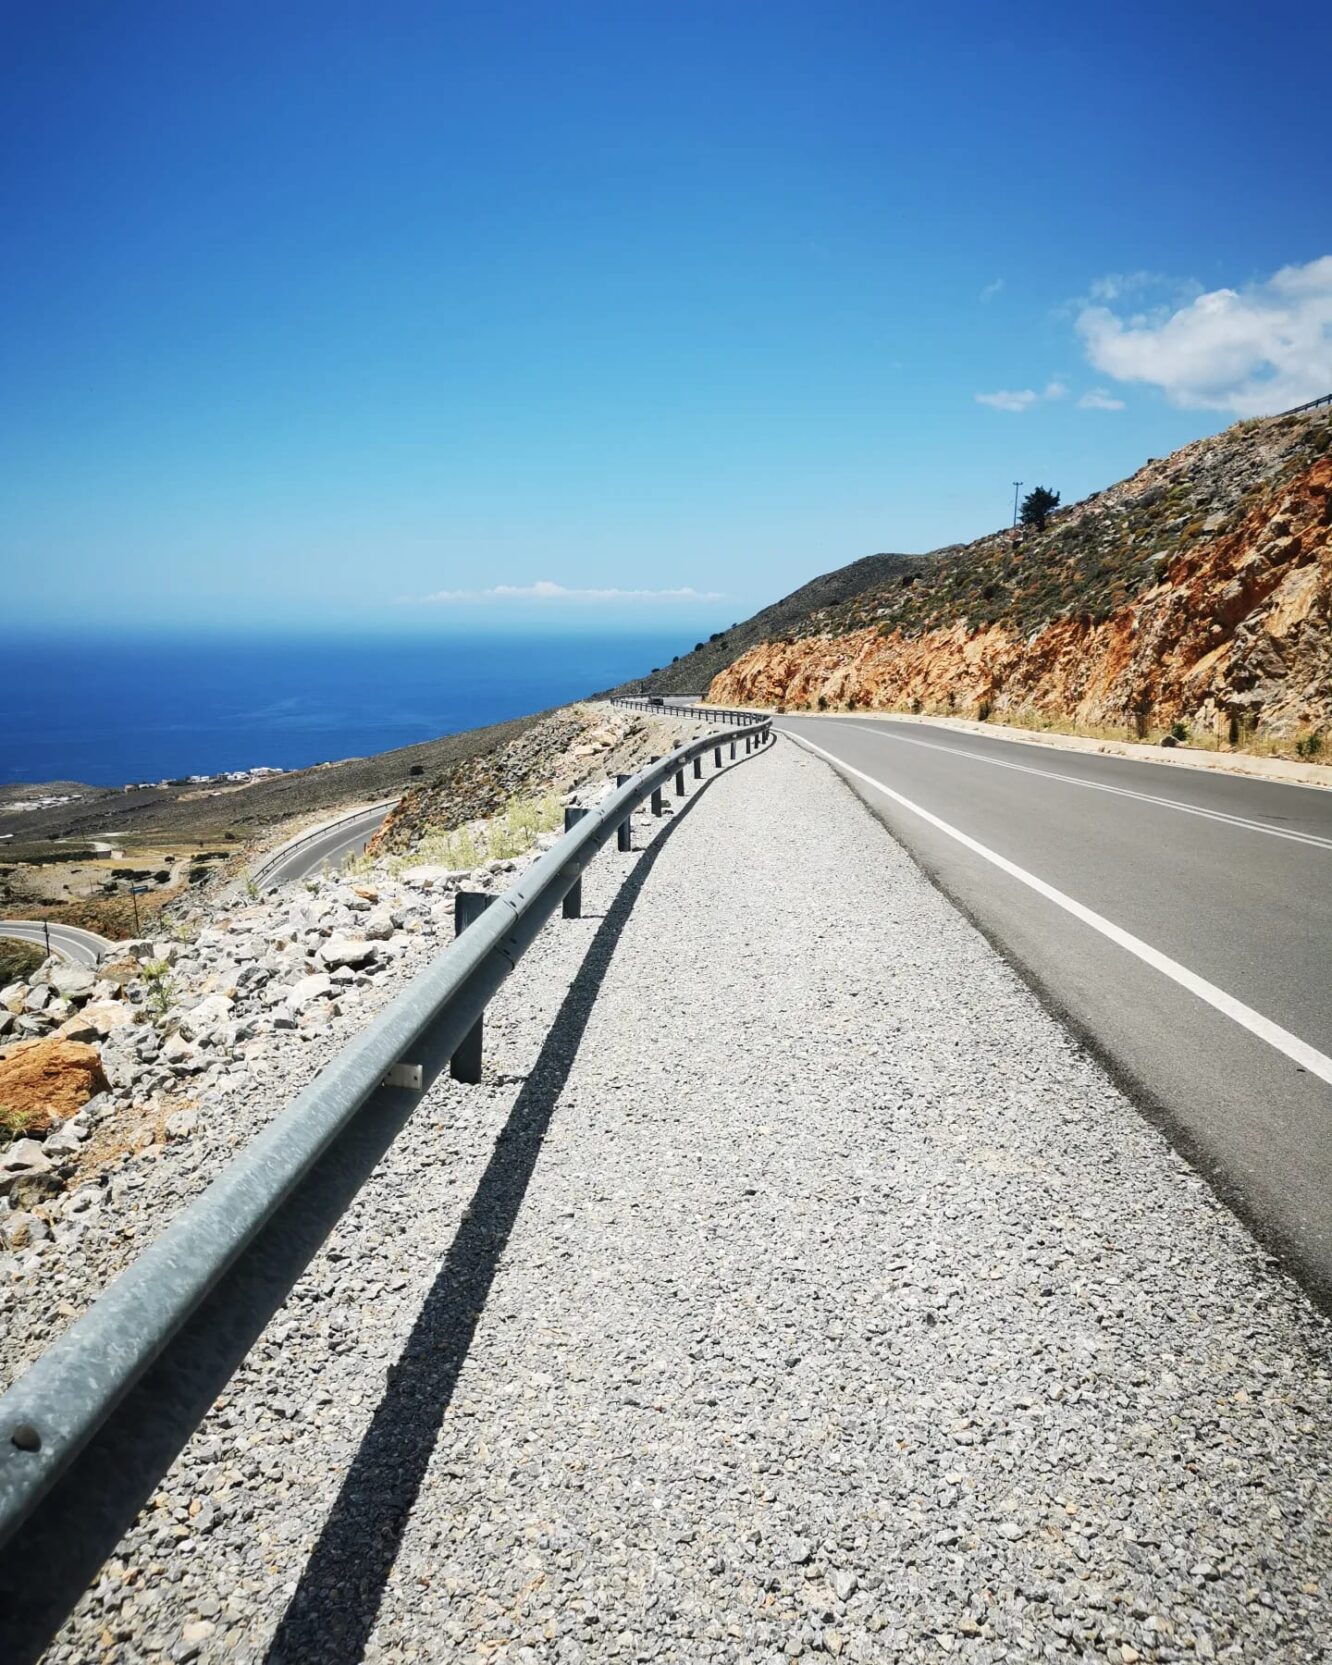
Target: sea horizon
(153,705)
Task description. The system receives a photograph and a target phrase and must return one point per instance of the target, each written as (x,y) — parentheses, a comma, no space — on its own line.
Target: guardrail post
(465,1065)
(716,757)
(624,833)
(698,766)
(732,751)
(656,790)
(572,905)
(679,782)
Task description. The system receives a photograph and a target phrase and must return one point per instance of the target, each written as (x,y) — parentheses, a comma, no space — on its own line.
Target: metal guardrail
(1309,404)
(83,1413)
(708,713)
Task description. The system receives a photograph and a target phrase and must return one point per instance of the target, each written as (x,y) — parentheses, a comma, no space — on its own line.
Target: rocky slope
(1198,591)
(554,754)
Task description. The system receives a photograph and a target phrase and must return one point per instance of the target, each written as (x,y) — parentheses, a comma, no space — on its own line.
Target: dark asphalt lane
(343,838)
(71,942)
(1226,875)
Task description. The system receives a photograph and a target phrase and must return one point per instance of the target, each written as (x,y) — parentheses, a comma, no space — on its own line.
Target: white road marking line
(1298,1051)
(1316,839)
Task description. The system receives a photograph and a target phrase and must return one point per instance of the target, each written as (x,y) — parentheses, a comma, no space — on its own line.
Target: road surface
(330,844)
(1180,920)
(82,947)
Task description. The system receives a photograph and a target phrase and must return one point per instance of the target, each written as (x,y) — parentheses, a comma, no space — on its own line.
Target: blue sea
(106,712)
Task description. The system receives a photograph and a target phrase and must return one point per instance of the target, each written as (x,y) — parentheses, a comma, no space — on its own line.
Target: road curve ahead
(69,941)
(1181,920)
(330,845)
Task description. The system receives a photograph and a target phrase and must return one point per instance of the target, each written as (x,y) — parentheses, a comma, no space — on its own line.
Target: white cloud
(1020,399)
(992,289)
(1099,399)
(545,590)
(1008,401)
(1249,351)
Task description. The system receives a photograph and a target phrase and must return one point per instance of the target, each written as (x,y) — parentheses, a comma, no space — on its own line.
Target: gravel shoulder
(793,1285)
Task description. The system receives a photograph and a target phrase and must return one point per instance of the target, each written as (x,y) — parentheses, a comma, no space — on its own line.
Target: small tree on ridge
(1036,507)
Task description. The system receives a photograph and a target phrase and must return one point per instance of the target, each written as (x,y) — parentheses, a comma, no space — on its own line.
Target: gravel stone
(624,1353)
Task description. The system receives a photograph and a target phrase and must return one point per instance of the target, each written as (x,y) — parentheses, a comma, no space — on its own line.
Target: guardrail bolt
(573,897)
(624,833)
(465,1065)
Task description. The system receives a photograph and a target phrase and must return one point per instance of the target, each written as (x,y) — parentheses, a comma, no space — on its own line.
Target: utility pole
(1017,487)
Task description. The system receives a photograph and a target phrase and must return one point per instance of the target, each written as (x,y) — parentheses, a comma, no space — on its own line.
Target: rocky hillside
(692,672)
(554,755)
(1198,591)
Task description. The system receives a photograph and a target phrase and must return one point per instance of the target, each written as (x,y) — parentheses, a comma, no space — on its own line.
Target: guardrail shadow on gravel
(332,1613)
(99,1417)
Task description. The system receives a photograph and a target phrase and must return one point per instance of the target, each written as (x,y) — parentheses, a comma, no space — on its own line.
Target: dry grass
(500,838)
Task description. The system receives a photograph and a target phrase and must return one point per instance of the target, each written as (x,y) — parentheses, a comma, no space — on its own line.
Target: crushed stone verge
(793,1286)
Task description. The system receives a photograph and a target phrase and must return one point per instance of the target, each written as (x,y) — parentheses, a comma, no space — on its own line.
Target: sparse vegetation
(500,838)
(159,990)
(13,1124)
(18,960)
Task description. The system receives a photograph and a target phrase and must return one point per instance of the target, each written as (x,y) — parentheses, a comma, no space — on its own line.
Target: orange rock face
(1235,630)
(44,1082)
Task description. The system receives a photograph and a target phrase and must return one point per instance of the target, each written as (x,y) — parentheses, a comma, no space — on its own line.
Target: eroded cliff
(1200,590)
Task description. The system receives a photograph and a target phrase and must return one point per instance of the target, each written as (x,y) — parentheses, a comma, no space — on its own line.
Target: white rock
(346,951)
(314,987)
(106,1015)
(181,1123)
(379,926)
(212,1010)
(72,982)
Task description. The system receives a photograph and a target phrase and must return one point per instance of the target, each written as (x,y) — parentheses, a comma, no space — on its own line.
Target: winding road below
(330,844)
(1180,920)
(82,947)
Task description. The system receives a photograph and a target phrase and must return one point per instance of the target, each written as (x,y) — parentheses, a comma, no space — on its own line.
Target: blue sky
(309,313)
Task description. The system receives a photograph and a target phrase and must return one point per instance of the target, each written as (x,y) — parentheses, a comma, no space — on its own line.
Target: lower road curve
(69,941)
(1180,920)
(330,844)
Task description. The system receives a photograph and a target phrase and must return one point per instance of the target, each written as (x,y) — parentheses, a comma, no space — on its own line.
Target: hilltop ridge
(692,672)
(1196,592)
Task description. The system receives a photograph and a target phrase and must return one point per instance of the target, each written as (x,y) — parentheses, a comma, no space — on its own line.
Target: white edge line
(1220,815)
(1298,1051)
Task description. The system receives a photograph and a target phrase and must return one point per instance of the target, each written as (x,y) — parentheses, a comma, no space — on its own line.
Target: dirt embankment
(1229,630)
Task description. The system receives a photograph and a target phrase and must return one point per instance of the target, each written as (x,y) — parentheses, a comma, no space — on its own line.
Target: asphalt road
(82,947)
(332,844)
(1180,920)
